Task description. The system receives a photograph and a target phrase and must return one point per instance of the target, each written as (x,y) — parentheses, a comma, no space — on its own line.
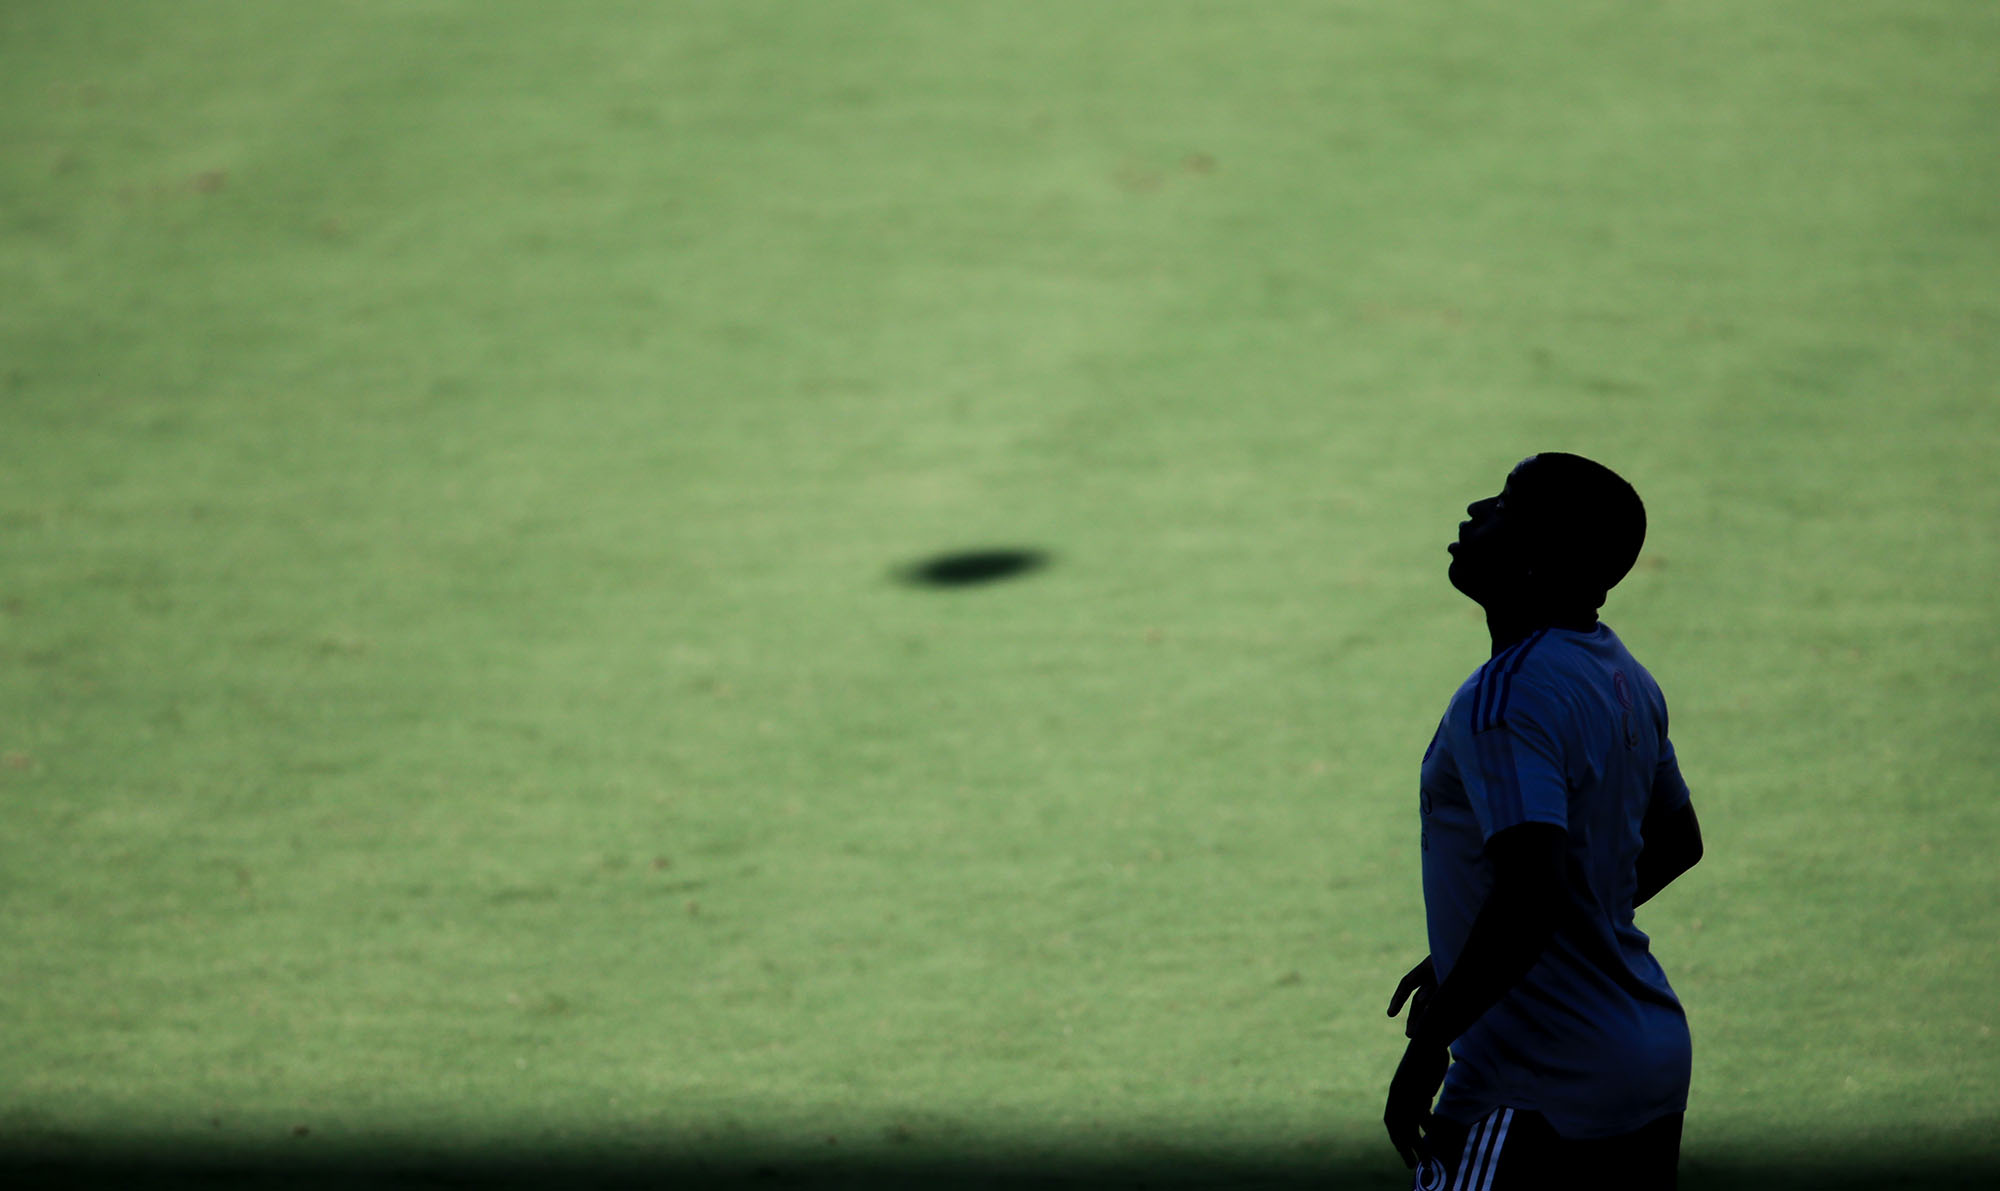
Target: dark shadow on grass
(971,568)
(1180,1163)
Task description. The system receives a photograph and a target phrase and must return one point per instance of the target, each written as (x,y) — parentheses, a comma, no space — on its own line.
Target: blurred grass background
(456,458)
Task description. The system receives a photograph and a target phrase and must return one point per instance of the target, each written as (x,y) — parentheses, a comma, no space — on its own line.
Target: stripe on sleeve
(1495,752)
(1496,684)
(1507,683)
(1481,694)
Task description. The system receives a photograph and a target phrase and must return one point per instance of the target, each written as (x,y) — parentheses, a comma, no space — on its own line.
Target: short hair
(1583,525)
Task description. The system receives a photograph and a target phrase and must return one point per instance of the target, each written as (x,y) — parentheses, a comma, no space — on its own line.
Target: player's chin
(1470,582)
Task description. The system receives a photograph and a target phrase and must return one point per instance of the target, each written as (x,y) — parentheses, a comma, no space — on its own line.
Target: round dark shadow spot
(973,567)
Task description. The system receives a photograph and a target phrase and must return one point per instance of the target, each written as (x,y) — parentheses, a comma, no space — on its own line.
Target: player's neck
(1509,628)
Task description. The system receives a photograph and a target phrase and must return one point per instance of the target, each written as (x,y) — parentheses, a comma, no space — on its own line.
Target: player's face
(1485,561)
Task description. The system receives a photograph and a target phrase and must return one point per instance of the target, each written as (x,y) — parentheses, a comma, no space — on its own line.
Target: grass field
(458,699)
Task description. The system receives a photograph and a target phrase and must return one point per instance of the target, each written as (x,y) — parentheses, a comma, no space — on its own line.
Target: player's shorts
(1512,1148)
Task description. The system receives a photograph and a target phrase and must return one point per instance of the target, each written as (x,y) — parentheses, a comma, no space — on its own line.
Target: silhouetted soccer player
(1552,806)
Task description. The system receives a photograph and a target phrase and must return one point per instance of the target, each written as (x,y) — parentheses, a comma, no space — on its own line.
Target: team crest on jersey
(1624,693)
(1431,1175)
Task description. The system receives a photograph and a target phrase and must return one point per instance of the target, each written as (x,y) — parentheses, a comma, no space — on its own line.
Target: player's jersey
(1567,728)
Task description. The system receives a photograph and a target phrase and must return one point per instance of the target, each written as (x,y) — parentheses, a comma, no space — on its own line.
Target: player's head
(1561,534)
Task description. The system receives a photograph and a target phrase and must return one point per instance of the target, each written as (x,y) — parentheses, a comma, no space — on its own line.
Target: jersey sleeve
(1670,791)
(1518,772)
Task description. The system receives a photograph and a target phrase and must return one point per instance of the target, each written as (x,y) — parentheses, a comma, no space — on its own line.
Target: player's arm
(1510,934)
(1671,844)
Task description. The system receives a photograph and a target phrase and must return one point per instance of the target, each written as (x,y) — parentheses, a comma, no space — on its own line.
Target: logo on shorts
(1431,1175)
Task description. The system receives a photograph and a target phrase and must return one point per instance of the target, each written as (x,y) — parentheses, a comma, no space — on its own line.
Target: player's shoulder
(1528,678)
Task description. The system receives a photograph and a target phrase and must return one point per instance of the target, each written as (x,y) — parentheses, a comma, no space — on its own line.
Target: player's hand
(1422,980)
(1408,1114)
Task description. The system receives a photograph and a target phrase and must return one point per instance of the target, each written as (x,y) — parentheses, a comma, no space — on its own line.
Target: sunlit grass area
(461,464)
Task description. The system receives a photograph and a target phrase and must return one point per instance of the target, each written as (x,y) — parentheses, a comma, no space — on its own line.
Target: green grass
(454,459)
